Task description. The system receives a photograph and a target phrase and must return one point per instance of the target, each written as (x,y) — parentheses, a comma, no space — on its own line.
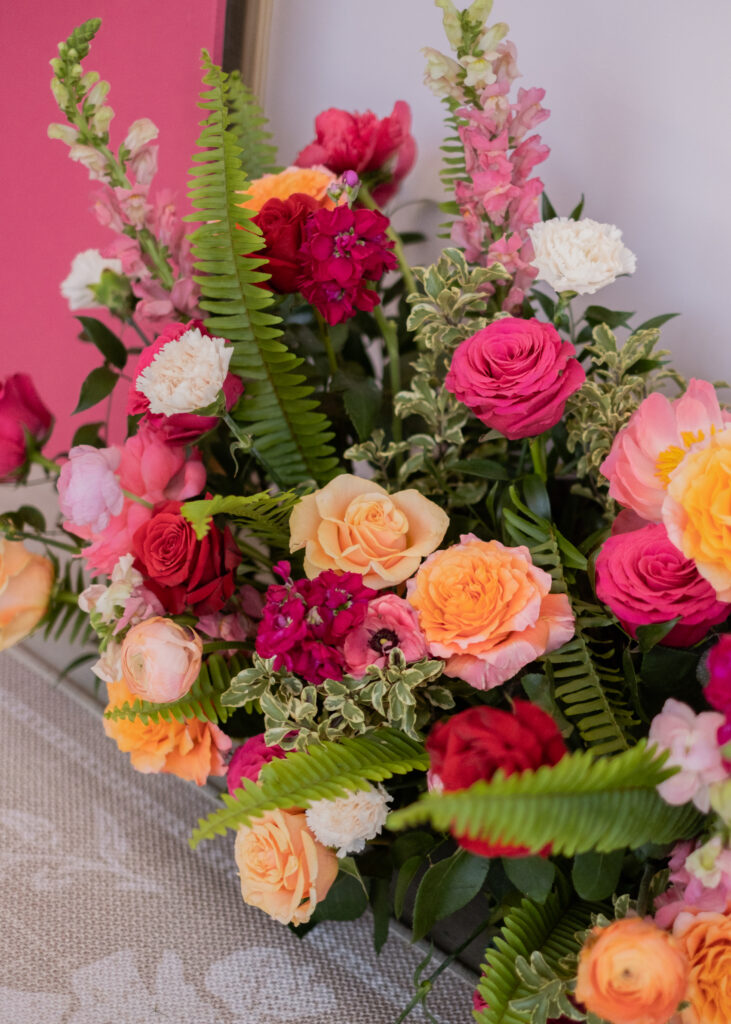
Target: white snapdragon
(349,821)
(94,161)
(109,667)
(441,74)
(579,255)
(186,374)
(140,133)
(86,270)
(479,70)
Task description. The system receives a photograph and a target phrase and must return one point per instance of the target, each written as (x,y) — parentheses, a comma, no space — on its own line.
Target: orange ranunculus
(353,525)
(25,586)
(705,939)
(632,972)
(697,511)
(284,870)
(487,610)
(190,749)
(312,181)
(161,659)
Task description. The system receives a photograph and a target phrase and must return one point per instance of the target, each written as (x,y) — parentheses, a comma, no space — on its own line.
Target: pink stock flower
(89,492)
(693,748)
(389,622)
(249,759)
(645,579)
(655,441)
(718,688)
(21,410)
(700,881)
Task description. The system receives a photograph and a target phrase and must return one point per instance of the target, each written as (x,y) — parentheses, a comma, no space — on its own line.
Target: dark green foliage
(446,887)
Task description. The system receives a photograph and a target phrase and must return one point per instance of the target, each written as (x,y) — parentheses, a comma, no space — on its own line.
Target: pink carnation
(693,748)
(389,622)
(249,759)
(645,579)
(89,493)
(656,439)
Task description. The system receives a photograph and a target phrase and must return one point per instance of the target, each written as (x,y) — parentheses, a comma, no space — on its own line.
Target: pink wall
(149,53)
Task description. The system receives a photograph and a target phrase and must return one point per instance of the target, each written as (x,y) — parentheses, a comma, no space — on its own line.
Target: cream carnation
(348,821)
(186,374)
(86,269)
(579,255)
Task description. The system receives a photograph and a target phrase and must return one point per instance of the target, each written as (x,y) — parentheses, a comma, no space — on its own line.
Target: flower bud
(99,93)
(60,93)
(161,660)
(90,79)
(65,132)
(102,119)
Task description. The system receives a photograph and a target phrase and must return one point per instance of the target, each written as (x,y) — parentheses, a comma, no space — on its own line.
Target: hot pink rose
(89,492)
(249,759)
(718,689)
(20,410)
(515,375)
(644,578)
(390,622)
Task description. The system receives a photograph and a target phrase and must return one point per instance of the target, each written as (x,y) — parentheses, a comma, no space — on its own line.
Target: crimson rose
(282,224)
(182,571)
(20,410)
(473,744)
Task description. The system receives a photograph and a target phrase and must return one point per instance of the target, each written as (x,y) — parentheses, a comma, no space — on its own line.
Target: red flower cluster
(305,623)
(344,252)
(282,222)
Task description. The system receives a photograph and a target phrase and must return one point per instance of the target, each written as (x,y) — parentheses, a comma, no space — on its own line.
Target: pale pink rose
(161,659)
(691,741)
(390,622)
(655,441)
(89,492)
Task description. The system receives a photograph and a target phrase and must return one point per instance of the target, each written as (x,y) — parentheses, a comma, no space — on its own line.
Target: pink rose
(161,660)
(389,622)
(249,759)
(515,375)
(693,748)
(89,492)
(20,410)
(644,579)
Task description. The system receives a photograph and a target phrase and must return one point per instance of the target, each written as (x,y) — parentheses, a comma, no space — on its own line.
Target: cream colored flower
(579,255)
(140,133)
(186,374)
(441,74)
(479,70)
(349,821)
(109,666)
(86,269)
(92,159)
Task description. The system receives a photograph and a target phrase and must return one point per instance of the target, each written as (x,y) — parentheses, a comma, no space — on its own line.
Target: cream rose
(579,255)
(25,585)
(353,525)
(284,870)
(160,659)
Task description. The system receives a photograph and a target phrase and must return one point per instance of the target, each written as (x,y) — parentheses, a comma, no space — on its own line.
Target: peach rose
(160,659)
(284,870)
(697,511)
(632,972)
(190,749)
(487,610)
(312,181)
(705,939)
(353,525)
(25,586)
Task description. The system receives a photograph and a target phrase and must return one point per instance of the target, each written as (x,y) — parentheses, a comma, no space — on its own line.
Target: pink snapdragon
(700,880)
(389,622)
(691,742)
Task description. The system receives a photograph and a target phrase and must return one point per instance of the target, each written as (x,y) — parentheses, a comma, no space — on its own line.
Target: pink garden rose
(659,434)
(644,579)
(515,375)
(21,410)
(693,748)
(389,622)
(89,492)
(249,759)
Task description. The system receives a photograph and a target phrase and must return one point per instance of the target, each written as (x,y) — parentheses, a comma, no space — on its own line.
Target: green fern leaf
(203,700)
(277,414)
(582,803)
(265,515)
(249,124)
(325,771)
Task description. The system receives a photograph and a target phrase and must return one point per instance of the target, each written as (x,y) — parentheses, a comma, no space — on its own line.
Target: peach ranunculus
(25,586)
(632,972)
(284,870)
(161,659)
(312,181)
(487,610)
(697,511)
(706,940)
(353,525)
(655,441)
(190,749)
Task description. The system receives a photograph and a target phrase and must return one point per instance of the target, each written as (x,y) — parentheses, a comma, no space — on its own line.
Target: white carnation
(349,821)
(579,255)
(186,374)
(86,269)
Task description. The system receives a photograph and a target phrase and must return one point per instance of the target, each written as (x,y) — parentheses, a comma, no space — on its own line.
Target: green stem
(136,497)
(327,341)
(22,535)
(224,645)
(136,327)
(390,336)
(409,283)
(538,456)
(48,464)
(66,597)
(150,246)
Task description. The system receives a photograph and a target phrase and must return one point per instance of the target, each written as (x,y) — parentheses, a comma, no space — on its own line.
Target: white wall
(640,94)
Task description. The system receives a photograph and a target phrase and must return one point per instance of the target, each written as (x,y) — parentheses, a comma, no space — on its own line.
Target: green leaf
(446,887)
(412,844)
(533,876)
(345,901)
(381,906)
(110,346)
(611,317)
(487,469)
(88,433)
(547,210)
(362,400)
(657,321)
(649,636)
(536,496)
(578,209)
(249,125)
(407,873)
(596,875)
(97,386)
(265,515)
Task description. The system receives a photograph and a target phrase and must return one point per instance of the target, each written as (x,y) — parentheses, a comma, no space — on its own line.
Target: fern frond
(325,771)
(265,515)
(249,124)
(203,700)
(277,414)
(65,616)
(453,163)
(582,803)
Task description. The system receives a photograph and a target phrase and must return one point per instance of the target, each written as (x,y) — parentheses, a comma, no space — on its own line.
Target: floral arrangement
(428,563)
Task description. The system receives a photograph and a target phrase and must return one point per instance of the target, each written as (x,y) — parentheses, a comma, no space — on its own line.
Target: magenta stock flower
(89,492)
(249,759)
(691,741)
(718,689)
(389,622)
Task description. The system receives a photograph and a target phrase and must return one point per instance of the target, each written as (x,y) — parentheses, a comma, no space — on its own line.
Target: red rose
(362,143)
(282,223)
(515,375)
(20,407)
(473,744)
(181,570)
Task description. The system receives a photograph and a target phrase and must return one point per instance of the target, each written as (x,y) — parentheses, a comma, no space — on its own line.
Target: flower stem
(224,645)
(409,283)
(48,464)
(23,535)
(390,336)
(538,456)
(136,497)
(327,342)
(136,327)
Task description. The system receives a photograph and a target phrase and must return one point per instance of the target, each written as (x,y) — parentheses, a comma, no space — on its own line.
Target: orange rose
(487,610)
(706,941)
(353,525)
(25,586)
(190,749)
(284,870)
(632,972)
(312,181)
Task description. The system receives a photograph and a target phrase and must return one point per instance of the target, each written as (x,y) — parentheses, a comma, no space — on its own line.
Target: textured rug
(107,917)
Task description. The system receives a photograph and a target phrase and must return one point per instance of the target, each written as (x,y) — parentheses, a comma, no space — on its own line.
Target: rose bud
(161,660)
